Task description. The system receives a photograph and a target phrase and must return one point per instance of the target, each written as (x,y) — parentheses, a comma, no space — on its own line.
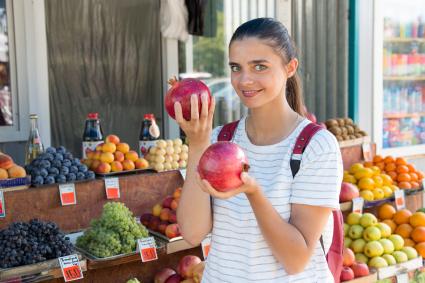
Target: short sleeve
(214,134)
(318,182)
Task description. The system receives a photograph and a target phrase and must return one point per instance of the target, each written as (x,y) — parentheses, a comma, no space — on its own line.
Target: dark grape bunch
(57,165)
(27,243)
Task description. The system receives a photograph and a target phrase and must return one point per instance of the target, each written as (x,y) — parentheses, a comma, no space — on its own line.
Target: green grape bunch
(115,232)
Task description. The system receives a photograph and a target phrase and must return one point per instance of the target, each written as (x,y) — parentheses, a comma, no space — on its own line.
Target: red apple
(186,265)
(349,257)
(172,217)
(154,223)
(360,269)
(162,227)
(163,275)
(346,274)
(175,278)
(146,218)
(172,231)
(166,203)
(348,192)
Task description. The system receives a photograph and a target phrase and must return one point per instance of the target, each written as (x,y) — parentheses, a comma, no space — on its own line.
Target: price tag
(358,204)
(147,249)
(112,187)
(402,278)
(206,244)
(400,201)
(367,151)
(71,268)
(183,173)
(67,194)
(2,205)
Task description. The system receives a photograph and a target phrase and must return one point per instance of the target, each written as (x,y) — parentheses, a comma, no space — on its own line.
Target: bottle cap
(149,116)
(93,116)
(33,116)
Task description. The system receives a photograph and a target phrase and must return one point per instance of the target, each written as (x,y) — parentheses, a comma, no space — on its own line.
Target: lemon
(349,179)
(378,193)
(363,173)
(386,179)
(394,188)
(387,191)
(376,170)
(367,195)
(366,184)
(378,181)
(355,167)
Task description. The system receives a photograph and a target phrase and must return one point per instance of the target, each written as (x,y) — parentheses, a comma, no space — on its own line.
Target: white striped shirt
(238,251)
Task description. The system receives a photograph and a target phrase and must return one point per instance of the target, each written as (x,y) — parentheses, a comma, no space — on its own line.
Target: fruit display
(344,129)
(403,174)
(28,243)
(182,91)
(115,232)
(372,183)
(373,242)
(114,156)
(348,192)
(8,168)
(189,270)
(351,268)
(57,165)
(168,155)
(163,218)
(409,225)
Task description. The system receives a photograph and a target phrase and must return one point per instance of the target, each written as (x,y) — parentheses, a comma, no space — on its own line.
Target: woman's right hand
(199,128)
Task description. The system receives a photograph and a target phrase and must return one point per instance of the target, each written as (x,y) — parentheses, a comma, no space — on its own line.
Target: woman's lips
(250,93)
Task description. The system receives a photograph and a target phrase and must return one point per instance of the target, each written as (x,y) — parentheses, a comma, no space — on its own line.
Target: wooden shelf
(404,78)
(404,40)
(403,115)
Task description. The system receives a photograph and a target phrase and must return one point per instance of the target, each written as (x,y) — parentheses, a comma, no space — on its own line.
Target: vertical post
(353,54)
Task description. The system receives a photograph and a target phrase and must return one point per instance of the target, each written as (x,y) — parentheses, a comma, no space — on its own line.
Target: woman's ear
(291,67)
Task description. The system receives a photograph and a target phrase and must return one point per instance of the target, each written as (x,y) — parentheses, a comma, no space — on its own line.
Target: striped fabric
(239,252)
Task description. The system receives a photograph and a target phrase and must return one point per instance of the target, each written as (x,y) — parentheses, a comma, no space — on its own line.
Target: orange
(420,175)
(409,242)
(411,167)
(402,216)
(413,177)
(415,185)
(421,249)
(368,164)
(393,175)
(417,219)
(390,167)
(418,234)
(389,159)
(404,185)
(400,161)
(404,230)
(390,223)
(402,169)
(386,211)
(403,177)
(377,159)
(380,165)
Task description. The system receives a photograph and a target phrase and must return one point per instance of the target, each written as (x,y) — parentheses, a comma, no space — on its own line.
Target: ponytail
(294,94)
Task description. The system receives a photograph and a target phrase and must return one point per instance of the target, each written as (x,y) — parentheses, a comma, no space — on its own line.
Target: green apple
(385,229)
(373,248)
(358,245)
(390,259)
(377,262)
(387,245)
(355,232)
(368,219)
(410,252)
(353,218)
(346,228)
(400,256)
(397,240)
(360,257)
(372,233)
(347,242)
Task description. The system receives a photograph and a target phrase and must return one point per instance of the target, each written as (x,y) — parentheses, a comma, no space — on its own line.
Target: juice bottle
(93,134)
(149,133)
(34,145)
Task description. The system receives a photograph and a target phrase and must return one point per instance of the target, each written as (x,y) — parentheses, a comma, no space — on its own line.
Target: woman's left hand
(249,187)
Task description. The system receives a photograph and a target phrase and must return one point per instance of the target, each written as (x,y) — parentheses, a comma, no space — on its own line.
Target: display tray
(57,184)
(369,204)
(365,279)
(15,183)
(354,142)
(393,270)
(134,171)
(413,191)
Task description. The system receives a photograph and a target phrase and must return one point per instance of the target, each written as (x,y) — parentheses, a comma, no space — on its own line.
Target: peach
(107,157)
(113,139)
(172,231)
(186,265)
(174,204)
(116,166)
(119,156)
(3,174)
(165,214)
(177,193)
(109,147)
(162,226)
(16,172)
(95,163)
(128,165)
(90,154)
(154,223)
(103,168)
(97,155)
(123,147)
(132,155)
(141,163)
(167,202)
(197,271)
(99,146)
(156,210)
(172,217)
(5,161)
(87,162)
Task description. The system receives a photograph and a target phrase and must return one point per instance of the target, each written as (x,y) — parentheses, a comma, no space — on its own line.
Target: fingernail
(193,96)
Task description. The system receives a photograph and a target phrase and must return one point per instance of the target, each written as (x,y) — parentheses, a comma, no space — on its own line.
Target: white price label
(2,205)
(112,187)
(402,278)
(147,249)
(358,205)
(206,244)
(70,266)
(400,201)
(67,194)
(367,151)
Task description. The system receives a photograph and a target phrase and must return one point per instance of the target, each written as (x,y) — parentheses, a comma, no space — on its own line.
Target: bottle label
(154,130)
(144,147)
(90,146)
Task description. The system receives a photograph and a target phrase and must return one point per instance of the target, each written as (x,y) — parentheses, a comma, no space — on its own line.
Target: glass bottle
(34,145)
(149,133)
(93,135)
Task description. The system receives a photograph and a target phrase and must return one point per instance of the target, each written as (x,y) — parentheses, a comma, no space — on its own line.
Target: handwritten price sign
(67,194)
(206,244)
(70,266)
(147,249)
(112,186)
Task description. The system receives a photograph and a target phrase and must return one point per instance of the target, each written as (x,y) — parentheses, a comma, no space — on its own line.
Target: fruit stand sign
(403,278)
(147,249)
(112,187)
(358,204)
(67,194)
(2,205)
(400,201)
(206,243)
(367,151)
(70,266)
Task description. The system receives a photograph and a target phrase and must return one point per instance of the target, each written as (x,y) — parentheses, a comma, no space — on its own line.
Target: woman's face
(257,72)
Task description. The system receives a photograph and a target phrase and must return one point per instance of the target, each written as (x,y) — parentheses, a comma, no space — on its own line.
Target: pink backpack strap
(227,131)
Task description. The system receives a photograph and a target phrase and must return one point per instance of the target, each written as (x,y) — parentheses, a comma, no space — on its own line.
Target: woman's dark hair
(275,34)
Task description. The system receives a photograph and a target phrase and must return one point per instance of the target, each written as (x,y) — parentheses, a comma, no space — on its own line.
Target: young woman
(269,229)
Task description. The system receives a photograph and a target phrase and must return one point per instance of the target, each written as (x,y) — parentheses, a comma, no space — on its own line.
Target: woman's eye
(260,67)
(234,68)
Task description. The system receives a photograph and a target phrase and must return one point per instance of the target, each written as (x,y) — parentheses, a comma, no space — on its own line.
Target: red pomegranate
(222,164)
(181,91)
